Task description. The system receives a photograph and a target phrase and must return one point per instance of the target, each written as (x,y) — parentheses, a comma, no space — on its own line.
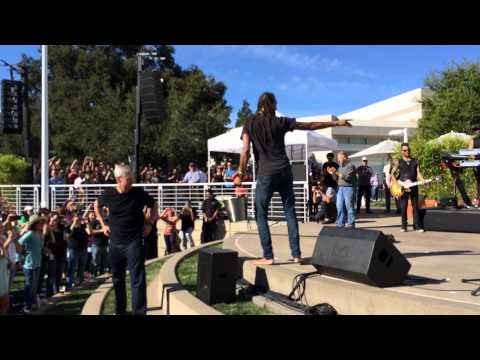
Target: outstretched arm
(317,125)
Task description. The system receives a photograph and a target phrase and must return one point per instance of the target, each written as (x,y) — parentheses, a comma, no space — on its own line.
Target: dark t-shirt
(187,221)
(126,219)
(328,178)
(218,178)
(267,135)
(78,238)
(210,206)
(59,247)
(101,239)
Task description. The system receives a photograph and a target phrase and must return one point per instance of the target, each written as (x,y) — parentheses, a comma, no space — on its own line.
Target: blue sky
(309,80)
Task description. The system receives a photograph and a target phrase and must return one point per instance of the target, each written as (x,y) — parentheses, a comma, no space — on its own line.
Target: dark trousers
(266,186)
(364,190)
(170,242)
(209,230)
(476,172)
(326,211)
(131,256)
(60,266)
(413,195)
(461,187)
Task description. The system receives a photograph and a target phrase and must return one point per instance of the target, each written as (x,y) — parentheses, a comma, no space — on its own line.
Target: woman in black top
(57,246)
(77,250)
(187,217)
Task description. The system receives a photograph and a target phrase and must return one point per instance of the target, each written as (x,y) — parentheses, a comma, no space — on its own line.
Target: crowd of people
(59,250)
(365,183)
(92,171)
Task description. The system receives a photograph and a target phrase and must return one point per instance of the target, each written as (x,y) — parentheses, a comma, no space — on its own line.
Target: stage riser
(462,221)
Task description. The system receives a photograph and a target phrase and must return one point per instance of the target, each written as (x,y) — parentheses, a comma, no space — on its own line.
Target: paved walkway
(444,259)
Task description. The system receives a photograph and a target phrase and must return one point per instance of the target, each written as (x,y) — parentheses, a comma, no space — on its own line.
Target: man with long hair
(267,132)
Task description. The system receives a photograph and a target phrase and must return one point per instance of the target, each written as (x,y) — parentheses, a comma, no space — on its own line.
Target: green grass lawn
(108,306)
(187,274)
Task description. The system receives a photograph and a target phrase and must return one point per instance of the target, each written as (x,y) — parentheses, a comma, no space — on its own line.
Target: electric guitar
(398,187)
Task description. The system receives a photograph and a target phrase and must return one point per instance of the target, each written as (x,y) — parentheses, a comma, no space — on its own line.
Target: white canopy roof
(382,148)
(230,142)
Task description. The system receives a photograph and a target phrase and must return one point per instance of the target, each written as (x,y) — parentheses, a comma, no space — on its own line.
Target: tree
(13,169)
(92,106)
(455,102)
(243,114)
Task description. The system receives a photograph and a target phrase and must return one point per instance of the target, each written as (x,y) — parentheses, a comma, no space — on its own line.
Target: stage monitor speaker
(366,256)
(216,275)
(299,171)
(151,95)
(448,202)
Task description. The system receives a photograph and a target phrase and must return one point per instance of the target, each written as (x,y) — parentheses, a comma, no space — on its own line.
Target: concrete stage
(439,263)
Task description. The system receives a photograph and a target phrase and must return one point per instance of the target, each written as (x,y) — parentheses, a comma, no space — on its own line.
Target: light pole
(44,200)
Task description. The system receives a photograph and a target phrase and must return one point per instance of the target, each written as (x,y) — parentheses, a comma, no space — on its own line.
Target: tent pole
(208,167)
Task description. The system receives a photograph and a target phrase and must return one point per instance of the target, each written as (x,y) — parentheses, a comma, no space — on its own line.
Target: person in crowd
(229,173)
(77,244)
(210,210)
(327,210)
(32,243)
(150,236)
(328,180)
(48,261)
(56,179)
(99,245)
(126,223)
(374,182)
(27,212)
(173,177)
(155,179)
(387,171)
(194,175)
(8,250)
(187,217)
(73,171)
(4,290)
(345,176)
(57,245)
(267,133)
(316,197)
(364,173)
(218,177)
(169,231)
(409,169)
(11,230)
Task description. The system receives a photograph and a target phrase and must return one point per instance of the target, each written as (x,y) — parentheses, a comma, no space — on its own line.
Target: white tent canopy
(230,142)
(382,148)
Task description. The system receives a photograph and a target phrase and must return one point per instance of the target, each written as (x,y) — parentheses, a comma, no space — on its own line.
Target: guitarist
(409,169)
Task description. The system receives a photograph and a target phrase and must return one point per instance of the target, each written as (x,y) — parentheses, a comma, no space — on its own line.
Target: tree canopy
(243,114)
(454,103)
(92,106)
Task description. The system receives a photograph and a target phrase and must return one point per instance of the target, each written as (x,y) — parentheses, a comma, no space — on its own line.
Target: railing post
(18,194)
(53,197)
(35,198)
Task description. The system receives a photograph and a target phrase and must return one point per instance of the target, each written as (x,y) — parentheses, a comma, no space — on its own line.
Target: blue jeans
(266,186)
(345,201)
(99,258)
(77,260)
(31,286)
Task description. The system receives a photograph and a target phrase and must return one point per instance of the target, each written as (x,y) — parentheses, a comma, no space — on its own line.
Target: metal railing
(16,197)
(176,195)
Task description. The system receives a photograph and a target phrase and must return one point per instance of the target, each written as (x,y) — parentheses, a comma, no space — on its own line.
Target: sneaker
(403,230)
(264,261)
(420,230)
(26,310)
(297,260)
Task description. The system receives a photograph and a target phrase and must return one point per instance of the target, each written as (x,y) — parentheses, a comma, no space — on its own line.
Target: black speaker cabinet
(299,171)
(151,95)
(216,275)
(365,256)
